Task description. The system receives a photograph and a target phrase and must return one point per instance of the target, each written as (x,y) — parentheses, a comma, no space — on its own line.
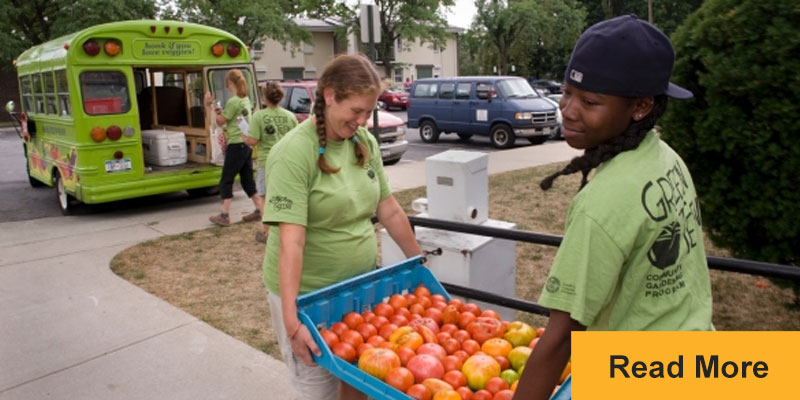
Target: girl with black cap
(632,257)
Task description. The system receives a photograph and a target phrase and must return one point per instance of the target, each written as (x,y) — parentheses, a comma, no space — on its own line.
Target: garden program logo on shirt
(280,203)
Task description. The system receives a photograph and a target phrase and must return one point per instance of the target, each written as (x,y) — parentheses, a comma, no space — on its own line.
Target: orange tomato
(455,378)
(465,393)
(419,392)
(495,384)
(411,339)
(447,395)
(514,385)
(338,328)
(427,335)
(450,315)
(400,378)
(422,291)
(482,395)
(470,346)
(345,351)
(384,310)
(504,394)
(351,337)
(496,347)
(378,362)
(457,303)
(398,301)
(353,319)
(366,330)
(452,363)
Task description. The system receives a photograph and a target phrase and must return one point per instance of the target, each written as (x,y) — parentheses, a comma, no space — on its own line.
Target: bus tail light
(233,50)
(114,132)
(98,134)
(129,131)
(112,47)
(91,47)
(118,154)
(217,49)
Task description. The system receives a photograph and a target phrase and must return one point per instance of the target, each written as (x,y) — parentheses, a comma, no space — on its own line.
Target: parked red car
(392,130)
(394,98)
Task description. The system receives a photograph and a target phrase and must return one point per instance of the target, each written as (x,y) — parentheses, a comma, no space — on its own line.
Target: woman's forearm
(290,269)
(392,216)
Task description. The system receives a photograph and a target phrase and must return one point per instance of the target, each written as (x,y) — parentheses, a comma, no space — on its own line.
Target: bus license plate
(118,165)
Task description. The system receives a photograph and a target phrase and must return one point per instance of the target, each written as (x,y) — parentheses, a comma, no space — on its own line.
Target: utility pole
(650,11)
(371,24)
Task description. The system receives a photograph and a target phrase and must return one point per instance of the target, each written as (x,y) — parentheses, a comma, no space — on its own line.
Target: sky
(461,14)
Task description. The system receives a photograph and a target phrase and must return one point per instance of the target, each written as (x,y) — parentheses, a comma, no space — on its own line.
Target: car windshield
(516,88)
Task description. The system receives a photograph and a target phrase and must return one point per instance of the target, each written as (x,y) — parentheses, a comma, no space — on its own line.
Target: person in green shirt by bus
(238,155)
(632,258)
(325,180)
(267,126)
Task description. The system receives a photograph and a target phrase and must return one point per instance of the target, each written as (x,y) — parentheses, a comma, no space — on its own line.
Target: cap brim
(678,92)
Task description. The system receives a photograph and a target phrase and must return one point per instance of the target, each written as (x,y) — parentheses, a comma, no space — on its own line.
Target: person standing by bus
(325,180)
(632,258)
(267,126)
(238,155)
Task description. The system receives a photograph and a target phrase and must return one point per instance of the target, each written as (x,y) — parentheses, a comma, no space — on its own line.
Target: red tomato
(338,328)
(455,378)
(405,354)
(503,361)
(442,336)
(329,337)
(386,330)
(427,335)
(379,321)
(351,337)
(422,291)
(449,328)
(450,315)
(438,297)
(417,309)
(457,303)
(366,330)
(428,322)
(345,351)
(461,335)
(425,366)
(495,384)
(368,315)
(471,308)
(504,394)
(434,314)
(398,301)
(482,395)
(375,340)
(465,393)
(398,319)
(363,347)
(490,314)
(378,362)
(400,378)
(425,301)
(410,297)
(439,305)
(433,349)
(384,310)
(353,319)
(485,328)
(533,342)
(452,363)
(419,392)
(465,318)
(470,346)
(451,345)
(402,312)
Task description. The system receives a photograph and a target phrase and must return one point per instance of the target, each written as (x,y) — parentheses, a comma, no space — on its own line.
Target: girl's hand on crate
(303,345)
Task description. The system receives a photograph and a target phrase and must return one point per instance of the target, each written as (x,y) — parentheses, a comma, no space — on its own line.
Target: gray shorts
(310,383)
(261,182)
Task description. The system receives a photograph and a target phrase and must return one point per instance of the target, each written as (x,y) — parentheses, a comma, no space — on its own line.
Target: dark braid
(319,114)
(629,140)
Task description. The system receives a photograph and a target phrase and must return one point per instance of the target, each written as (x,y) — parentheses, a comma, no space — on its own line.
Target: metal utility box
(457,184)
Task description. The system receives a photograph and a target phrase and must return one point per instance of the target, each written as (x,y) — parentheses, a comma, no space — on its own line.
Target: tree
(739,136)
(27,23)
(250,21)
(500,25)
(667,15)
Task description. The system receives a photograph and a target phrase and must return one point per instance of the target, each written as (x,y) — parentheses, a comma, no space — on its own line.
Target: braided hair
(628,140)
(347,75)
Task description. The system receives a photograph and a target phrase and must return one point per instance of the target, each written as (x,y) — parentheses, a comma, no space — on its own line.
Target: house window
(398,75)
(292,74)
(424,71)
(308,48)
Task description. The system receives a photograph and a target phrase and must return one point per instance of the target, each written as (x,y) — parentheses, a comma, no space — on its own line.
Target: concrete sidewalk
(71,329)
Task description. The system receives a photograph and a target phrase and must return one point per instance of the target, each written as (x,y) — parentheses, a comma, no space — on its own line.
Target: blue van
(502,107)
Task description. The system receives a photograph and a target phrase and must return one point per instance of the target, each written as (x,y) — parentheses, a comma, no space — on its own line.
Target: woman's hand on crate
(303,345)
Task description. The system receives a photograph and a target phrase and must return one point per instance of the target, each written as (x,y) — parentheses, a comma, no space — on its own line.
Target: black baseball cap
(624,56)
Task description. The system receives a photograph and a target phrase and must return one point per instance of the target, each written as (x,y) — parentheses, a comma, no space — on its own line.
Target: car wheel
(538,139)
(391,162)
(502,136)
(428,132)
(65,200)
(204,191)
(464,136)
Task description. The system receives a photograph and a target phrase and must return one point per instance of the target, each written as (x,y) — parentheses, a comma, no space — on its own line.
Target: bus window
(27,94)
(50,93)
(216,81)
(63,92)
(170,98)
(37,93)
(104,92)
(197,115)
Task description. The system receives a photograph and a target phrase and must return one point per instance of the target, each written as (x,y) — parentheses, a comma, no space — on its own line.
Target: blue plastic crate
(321,308)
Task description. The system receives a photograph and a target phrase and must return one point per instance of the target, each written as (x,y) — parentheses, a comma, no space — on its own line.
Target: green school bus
(96,99)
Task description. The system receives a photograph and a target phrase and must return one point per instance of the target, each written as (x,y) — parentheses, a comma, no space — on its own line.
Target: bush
(740,136)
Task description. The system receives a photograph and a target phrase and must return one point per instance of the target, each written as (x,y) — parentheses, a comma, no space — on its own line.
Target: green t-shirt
(633,257)
(268,126)
(334,208)
(234,107)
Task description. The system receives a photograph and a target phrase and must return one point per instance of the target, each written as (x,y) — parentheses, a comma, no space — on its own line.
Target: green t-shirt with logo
(633,257)
(268,126)
(234,107)
(335,208)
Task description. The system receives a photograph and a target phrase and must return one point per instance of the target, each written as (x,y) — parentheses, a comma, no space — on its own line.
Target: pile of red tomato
(432,349)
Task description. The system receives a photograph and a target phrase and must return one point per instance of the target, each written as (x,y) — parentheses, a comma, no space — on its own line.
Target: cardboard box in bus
(164,148)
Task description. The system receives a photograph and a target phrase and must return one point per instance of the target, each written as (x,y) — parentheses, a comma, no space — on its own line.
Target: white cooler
(163,147)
